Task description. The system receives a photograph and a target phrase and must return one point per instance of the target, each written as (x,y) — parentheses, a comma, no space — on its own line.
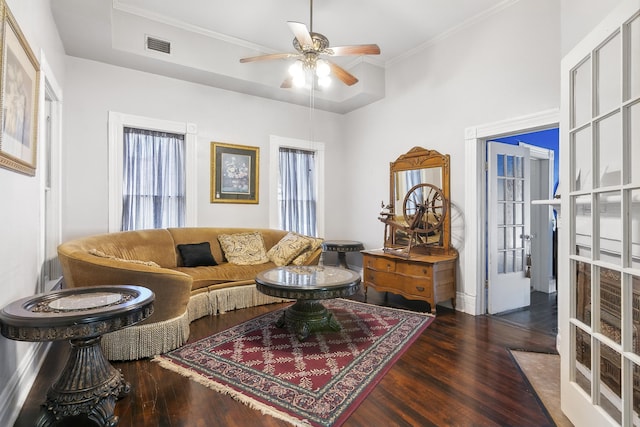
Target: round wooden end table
(308,285)
(342,247)
(88,384)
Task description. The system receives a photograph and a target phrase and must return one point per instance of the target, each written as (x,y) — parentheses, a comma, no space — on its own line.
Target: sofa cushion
(224,272)
(314,244)
(101,254)
(243,248)
(289,247)
(196,254)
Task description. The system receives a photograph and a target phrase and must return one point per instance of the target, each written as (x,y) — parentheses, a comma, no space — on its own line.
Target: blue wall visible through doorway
(548,138)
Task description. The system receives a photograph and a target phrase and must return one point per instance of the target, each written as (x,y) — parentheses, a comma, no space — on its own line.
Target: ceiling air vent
(158,45)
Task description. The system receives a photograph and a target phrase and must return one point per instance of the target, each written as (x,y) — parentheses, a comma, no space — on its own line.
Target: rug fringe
(221,388)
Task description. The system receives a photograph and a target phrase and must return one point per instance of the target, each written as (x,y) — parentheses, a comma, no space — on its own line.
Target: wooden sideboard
(431,278)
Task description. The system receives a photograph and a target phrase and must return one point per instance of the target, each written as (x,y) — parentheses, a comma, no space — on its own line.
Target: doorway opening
(540,243)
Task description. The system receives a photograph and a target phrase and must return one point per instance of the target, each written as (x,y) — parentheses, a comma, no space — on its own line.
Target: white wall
(502,67)
(20,230)
(579,17)
(221,116)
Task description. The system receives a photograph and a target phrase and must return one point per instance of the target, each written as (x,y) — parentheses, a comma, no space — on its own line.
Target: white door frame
(473,299)
(541,221)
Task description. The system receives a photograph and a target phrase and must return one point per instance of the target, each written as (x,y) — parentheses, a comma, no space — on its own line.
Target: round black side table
(342,247)
(88,384)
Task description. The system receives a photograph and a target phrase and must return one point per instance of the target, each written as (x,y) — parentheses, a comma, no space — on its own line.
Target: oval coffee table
(88,384)
(308,285)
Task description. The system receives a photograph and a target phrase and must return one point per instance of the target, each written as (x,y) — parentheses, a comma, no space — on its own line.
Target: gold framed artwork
(19,98)
(235,173)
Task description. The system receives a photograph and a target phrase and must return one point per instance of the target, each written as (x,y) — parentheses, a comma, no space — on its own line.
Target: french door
(508,229)
(599,268)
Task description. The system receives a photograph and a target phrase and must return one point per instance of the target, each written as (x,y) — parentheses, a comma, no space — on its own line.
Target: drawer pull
(420,288)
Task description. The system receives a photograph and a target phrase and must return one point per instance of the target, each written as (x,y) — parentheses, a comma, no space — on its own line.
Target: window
(297,191)
(50,138)
(166,130)
(297,185)
(154,180)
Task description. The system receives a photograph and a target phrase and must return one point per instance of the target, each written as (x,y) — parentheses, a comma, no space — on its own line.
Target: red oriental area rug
(317,382)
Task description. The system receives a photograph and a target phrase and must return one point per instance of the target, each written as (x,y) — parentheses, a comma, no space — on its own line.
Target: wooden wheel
(424,208)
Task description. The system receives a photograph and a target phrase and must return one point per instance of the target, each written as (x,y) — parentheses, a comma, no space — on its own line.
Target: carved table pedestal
(88,384)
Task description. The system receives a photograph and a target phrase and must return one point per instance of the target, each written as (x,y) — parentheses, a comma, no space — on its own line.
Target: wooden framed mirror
(417,219)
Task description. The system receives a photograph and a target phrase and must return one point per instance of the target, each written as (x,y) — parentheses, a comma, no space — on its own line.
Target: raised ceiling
(208,37)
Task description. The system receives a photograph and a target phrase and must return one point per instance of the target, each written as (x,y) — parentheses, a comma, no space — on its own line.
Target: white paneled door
(509,208)
(599,252)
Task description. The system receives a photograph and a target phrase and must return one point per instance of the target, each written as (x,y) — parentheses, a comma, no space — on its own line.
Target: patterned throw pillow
(314,243)
(289,247)
(243,248)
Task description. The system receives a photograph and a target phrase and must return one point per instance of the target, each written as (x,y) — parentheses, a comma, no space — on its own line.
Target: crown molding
(147,14)
(452,31)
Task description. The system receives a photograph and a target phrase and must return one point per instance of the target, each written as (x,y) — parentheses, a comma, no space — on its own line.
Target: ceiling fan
(312,48)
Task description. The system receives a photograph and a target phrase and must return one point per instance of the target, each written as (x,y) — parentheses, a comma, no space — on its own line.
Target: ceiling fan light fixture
(324,81)
(322,68)
(296,69)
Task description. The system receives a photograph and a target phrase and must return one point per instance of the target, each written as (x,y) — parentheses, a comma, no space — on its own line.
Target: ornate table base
(308,285)
(307,316)
(88,385)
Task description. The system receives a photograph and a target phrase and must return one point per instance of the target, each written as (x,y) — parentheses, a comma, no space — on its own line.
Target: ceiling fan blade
(301,32)
(269,56)
(362,49)
(346,77)
(287,83)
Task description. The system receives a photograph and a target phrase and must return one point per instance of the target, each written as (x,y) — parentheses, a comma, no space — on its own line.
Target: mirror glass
(406,179)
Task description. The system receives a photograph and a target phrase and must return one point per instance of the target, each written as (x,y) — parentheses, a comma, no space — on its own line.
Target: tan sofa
(182,293)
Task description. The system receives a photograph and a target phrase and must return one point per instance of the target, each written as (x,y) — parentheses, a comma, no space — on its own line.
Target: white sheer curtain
(153,193)
(298,191)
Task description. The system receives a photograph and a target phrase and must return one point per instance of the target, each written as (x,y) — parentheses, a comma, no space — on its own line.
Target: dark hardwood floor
(541,315)
(458,373)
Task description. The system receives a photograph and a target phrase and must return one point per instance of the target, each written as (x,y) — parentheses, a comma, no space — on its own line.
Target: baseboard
(466,303)
(17,388)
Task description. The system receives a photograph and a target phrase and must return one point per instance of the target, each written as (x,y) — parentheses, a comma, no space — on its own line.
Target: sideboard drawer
(380,264)
(381,278)
(416,287)
(421,287)
(414,269)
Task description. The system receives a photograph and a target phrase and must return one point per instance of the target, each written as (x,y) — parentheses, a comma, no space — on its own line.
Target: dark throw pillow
(196,255)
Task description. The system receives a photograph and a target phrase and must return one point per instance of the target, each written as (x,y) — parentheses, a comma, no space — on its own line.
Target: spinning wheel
(424,208)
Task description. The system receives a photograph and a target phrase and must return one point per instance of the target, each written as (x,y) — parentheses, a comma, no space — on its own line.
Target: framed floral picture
(19,98)
(234,173)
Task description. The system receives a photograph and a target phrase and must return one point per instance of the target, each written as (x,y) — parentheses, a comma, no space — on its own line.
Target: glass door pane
(581,94)
(633,38)
(633,160)
(610,150)
(608,84)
